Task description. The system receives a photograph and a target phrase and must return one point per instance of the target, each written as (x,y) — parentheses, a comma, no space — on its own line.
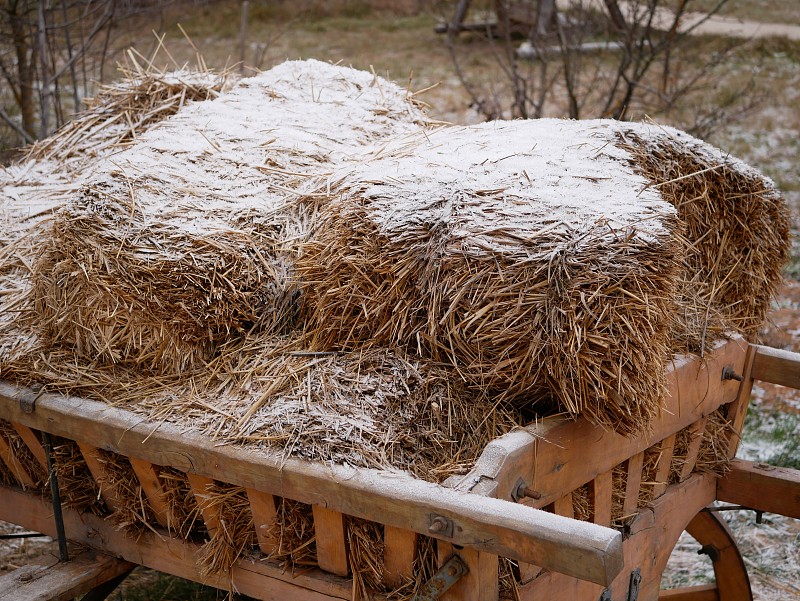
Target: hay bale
(525,254)
(186,238)
(736,222)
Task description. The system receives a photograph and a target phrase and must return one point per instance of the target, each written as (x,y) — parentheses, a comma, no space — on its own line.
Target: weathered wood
(94,461)
(600,494)
(481,583)
(201,489)
(663,466)
(263,507)
(776,366)
(633,484)
(761,487)
(399,551)
(8,457)
(61,581)
(563,506)
(33,443)
(737,410)
(331,541)
(153,488)
(488,525)
(261,580)
(696,431)
(708,529)
(702,592)
(551,586)
(695,389)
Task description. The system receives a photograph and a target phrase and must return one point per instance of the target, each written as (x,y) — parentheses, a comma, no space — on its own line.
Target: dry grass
(20,450)
(132,512)
(185,519)
(75,482)
(293,531)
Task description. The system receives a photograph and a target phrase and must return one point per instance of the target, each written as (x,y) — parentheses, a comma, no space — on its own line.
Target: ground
(400,44)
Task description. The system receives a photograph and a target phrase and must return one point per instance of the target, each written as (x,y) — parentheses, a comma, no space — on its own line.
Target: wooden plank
(694,389)
(737,410)
(702,592)
(481,583)
(201,487)
(147,475)
(331,541)
(490,525)
(399,552)
(61,581)
(551,586)
(761,487)
(261,580)
(10,459)
(664,465)
(94,461)
(633,484)
(263,507)
(563,506)
(776,366)
(33,443)
(696,431)
(600,495)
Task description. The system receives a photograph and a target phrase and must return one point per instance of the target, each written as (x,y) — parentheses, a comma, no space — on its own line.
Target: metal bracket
(441,526)
(633,588)
(444,578)
(605,595)
(711,551)
(27,400)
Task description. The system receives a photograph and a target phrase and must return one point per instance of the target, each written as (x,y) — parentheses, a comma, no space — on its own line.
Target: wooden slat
(61,581)
(153,489)
(737,410)
(331,541)
(481,583)
(776,366)
(664,466)
(399,551)
(33,443)
(201,488)
(563,506)
(696,431)
(695,389)
(261,580)
(633,484)
(10,459)
(94,461)
(762,487)
(263,507)
(600,495)
(702,592)
(489,525)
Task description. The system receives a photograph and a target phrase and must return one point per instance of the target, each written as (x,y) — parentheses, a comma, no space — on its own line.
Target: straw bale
(509,579)
(23,454)
(365,552)
(132,514)
(649,469)
(736,222)
(582,503)
(6,477)
(712,458)
(235,537)
(186,238)
(526,254)
(76,485)
(293,529)
(184,516)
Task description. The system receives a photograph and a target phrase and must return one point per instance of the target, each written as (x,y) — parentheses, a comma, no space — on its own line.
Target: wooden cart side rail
(551,456)
(761,487)
(396,499)
(776,366)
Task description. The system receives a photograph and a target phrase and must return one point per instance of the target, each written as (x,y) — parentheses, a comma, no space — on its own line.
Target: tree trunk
(25,72)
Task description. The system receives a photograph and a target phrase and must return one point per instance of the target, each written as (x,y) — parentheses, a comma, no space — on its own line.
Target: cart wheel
(718,543)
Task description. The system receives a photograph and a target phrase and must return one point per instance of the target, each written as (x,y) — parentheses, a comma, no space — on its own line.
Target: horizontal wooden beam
(702,592)
(586,551)
(258,579)
(62,581)
(777,366)
(761,487)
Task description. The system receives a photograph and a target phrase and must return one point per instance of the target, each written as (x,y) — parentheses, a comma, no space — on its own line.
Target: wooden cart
(515,503)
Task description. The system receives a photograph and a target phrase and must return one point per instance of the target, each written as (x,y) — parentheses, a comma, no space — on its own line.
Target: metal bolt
(728,373)
(438,525)
(525,491)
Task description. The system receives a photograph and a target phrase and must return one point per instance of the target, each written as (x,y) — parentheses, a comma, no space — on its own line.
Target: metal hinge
(450,573)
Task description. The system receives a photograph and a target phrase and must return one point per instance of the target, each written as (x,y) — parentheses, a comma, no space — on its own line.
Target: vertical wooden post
(10,459)
(564,506)
(633,484)
(32,442)
(600,494)
(737,410)
(399,551)
(263,507)
(664,466)
(696,431)
(331,540)
(201,488)
(94,461)
(481,583)
(153,488)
